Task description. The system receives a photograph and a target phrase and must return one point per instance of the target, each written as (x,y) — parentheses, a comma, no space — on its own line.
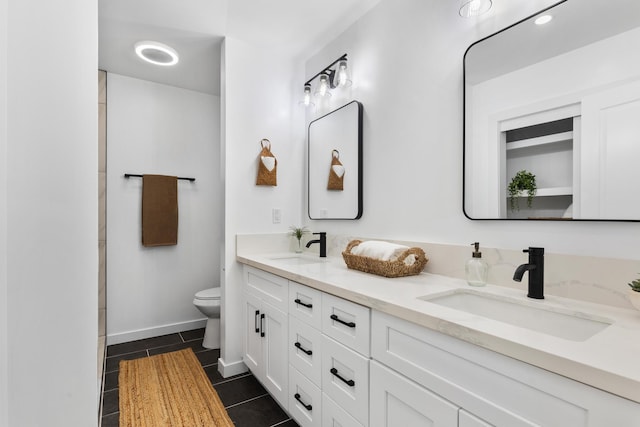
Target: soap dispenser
(476,268)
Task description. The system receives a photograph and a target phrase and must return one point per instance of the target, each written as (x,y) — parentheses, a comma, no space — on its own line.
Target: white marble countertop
(608,360)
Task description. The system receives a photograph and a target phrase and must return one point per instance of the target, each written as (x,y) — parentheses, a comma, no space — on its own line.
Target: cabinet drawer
(346,322)
(345,378)
(305,400)
(303,339)
(460,372)
(266,286)
(334,416)
(305,303)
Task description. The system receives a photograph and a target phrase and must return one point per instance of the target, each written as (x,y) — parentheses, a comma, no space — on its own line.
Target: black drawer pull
(308,352)
(350,383)
(307,407)
(255,321)
(297,301)
(339,320)
(262,325)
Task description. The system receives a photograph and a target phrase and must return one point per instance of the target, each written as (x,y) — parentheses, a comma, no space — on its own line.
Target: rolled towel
(384,251)
(410,260)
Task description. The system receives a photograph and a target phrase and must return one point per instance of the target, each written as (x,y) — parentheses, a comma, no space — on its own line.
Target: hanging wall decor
(267,165)
(336,173)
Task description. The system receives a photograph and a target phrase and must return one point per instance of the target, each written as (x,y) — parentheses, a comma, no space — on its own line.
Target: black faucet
(323,243)
(535,267)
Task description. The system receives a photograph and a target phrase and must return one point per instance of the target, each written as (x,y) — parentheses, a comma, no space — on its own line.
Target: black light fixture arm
(328,71)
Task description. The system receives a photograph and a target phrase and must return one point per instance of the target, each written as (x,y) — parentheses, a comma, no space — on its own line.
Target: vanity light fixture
(156,53)
(332,76)
(544,19)
(472,8)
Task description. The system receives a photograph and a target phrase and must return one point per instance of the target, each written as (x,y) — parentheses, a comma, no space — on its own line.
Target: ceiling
(196,29)
(574,25)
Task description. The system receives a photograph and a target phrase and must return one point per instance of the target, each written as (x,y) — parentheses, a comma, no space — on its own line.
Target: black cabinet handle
(307,407)
(350,383)
(339,320)
(297,301)
(255,321)
(308,352)
(262,325)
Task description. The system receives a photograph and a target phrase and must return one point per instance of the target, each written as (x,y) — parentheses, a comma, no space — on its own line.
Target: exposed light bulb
(343,74)
(306,100)
(323,87)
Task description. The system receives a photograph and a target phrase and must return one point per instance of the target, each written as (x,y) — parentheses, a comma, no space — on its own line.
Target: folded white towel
(410,260)
(384,251)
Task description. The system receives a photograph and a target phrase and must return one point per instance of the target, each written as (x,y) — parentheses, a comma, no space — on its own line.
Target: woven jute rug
(169,389)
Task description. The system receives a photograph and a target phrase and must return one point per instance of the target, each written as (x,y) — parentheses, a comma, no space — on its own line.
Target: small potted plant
(298,232)
(523,181)
(634,294)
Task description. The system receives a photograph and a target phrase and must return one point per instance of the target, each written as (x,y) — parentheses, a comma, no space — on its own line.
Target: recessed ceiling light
(156,53)
(544,19)
(471,8)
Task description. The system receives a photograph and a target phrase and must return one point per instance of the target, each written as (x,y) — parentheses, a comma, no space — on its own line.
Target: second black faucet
(535,267)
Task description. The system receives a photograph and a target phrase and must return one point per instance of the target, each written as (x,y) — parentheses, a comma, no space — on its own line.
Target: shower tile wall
(102,236)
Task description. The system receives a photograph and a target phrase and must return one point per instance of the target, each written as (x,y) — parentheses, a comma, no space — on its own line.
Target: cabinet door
(275,376)
(252,344)
(397,401)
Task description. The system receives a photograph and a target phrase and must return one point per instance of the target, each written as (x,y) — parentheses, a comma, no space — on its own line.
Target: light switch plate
(276,215)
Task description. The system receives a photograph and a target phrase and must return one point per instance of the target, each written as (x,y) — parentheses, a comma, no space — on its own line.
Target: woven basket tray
(396,268)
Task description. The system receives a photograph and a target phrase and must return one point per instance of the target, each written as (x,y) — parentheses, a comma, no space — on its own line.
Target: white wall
(4,351)
(48,254)
(158,129)
(407,64)
(258,101)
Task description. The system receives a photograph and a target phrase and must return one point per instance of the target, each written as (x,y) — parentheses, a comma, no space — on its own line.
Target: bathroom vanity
(363,350)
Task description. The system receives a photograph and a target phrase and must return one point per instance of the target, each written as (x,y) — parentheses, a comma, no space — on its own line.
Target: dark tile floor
(246,401)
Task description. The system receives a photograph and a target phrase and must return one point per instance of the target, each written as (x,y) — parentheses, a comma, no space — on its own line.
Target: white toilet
(208,302)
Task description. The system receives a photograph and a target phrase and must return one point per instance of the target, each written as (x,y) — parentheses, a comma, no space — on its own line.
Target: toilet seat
(208,294)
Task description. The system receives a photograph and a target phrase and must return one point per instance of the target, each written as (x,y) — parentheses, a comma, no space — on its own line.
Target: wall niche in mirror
(335,164)
(561,101)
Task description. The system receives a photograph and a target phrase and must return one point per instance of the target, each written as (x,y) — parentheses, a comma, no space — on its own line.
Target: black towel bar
(129,175)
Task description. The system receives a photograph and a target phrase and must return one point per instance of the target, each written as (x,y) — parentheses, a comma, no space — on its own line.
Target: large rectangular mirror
(335,164)
(560,101)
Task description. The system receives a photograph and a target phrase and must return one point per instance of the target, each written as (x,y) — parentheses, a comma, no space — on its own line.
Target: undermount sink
(574,326)
(297,259)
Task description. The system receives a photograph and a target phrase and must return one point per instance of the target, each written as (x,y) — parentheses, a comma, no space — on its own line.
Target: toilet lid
(211,293)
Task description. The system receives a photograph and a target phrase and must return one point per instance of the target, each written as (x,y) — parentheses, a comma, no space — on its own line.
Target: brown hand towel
(159,210)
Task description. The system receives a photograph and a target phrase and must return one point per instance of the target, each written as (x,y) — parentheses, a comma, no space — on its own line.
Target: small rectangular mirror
(335,164)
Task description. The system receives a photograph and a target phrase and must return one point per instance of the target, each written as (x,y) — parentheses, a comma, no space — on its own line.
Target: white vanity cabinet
(266,331)
(328,359)
(483,387)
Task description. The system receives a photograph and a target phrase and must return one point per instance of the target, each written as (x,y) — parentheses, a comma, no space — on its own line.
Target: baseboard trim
(233,368)
(155,331)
